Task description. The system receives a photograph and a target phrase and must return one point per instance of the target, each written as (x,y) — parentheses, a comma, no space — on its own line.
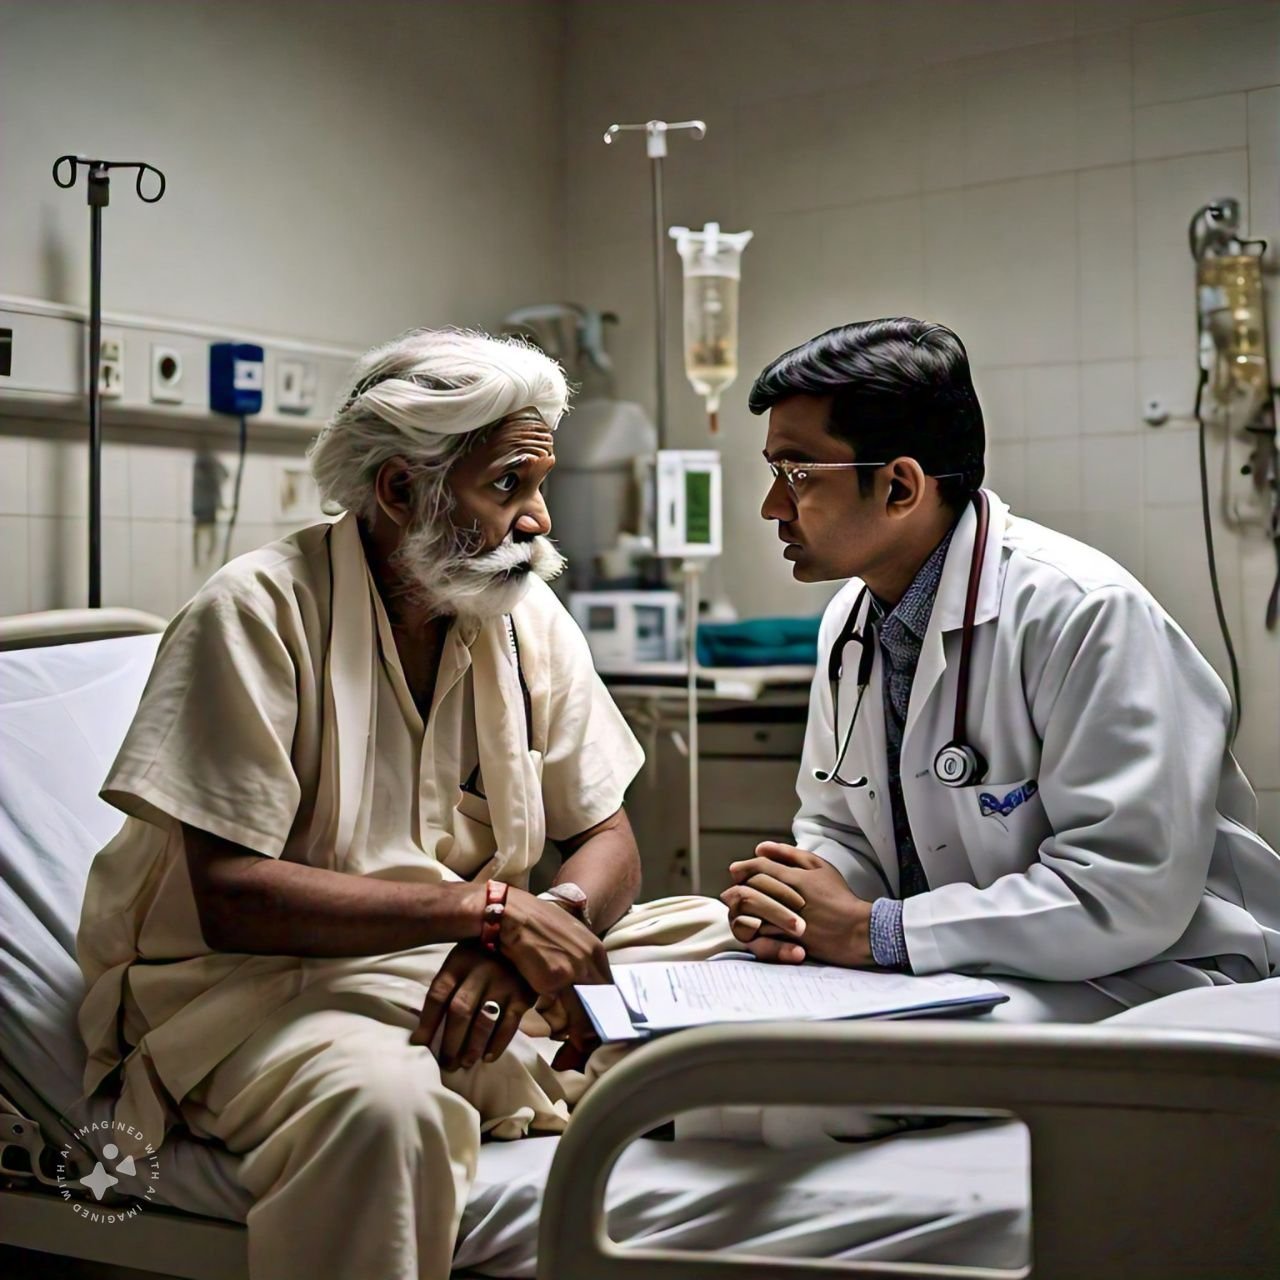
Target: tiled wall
(1024,172)
(150,557)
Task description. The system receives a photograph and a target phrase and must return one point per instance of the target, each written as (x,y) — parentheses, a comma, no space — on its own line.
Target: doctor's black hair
(900,388)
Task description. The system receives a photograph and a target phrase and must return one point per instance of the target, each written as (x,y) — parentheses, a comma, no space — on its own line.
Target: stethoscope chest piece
(959,765)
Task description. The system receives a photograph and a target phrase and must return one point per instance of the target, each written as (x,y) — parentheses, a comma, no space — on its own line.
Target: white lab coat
(1135,864)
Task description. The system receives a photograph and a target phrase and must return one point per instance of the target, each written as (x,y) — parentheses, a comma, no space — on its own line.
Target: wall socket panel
(155,373)
(295,385)
(111,364)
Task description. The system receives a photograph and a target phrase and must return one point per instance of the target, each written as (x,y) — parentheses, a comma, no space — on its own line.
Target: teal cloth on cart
(759,642)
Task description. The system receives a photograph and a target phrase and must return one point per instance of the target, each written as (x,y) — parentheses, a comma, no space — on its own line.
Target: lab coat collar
(948,607)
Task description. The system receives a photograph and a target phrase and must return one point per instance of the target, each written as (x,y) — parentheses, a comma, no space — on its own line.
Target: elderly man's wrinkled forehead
(522,436)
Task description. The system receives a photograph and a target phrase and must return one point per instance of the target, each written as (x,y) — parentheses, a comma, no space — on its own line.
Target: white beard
(448,581)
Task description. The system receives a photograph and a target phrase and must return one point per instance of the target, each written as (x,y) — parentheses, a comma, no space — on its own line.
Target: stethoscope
(959,763)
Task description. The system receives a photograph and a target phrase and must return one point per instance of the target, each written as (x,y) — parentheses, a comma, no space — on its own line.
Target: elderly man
(312,938)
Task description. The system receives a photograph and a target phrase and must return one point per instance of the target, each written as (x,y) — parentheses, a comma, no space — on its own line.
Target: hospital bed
(1148,1145)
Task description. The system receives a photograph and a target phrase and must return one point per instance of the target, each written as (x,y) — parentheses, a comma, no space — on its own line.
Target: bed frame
(1153,1153)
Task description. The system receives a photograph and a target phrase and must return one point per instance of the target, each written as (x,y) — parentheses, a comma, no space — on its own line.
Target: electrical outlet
(111,364)
(295,386)
(166,375)
(297,495)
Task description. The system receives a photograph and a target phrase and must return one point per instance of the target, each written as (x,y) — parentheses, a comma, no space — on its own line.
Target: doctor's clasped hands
(789,905)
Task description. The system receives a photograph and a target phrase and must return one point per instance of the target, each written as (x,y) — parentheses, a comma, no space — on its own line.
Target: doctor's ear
(906,486)
(392,489)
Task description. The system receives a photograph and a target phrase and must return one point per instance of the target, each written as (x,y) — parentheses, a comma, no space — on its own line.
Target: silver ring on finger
(492,1010)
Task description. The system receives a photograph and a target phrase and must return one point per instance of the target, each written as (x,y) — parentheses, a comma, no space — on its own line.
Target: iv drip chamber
(712,262)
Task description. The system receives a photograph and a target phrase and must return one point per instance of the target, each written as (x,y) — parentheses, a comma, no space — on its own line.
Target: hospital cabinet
(749,752)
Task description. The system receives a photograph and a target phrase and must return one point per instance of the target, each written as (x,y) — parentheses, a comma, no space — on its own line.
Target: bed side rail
(1152,1152)
(71,626)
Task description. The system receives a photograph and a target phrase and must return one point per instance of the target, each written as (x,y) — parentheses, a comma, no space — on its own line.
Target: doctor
(1016,762)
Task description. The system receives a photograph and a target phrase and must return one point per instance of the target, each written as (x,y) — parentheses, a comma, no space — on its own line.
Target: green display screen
(697,506)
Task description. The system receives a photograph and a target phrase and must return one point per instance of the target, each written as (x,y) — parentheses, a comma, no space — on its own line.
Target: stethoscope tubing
(958,763)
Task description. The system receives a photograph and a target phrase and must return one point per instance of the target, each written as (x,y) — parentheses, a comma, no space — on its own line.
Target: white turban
(468,380)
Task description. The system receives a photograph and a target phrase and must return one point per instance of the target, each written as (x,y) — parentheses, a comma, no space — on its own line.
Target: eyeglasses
(796,473)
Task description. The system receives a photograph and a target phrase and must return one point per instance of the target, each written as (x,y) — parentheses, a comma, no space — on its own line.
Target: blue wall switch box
(235,378)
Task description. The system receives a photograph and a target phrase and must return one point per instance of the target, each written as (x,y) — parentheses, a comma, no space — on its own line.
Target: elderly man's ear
(391,490)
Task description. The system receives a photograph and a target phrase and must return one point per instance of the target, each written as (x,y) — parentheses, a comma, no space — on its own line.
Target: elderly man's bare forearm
(605,863)
(257,905)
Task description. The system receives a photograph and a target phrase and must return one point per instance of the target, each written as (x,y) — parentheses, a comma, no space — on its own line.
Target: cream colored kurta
(277,717)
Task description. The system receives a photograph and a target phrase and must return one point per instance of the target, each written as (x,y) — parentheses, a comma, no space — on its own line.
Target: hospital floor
(30,1264)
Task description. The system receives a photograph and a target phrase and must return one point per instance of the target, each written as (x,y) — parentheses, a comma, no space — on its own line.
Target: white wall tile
(1177,575)
(782,150)
(155,483)
(154,559)
(1172,381)
(57,477)
(858,273)
(58,562)
(1169,191)
(1109,397)
(1118,533)
(784,298)
(1053,401)
(1002,251)
(1053,477)
(874,133)
(13,476)
(15,571)
(115,480)
(1171,461)
(1107,285)
(1183,128)
(940,93)
(1020,113)
(1111,470)
(257,489)
(117,562)
(1222,51)
(1104,99)
(1166,301)
(1007,472)
(1002,395)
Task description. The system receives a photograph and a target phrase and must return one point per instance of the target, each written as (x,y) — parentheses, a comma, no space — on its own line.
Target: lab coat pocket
(1001,825)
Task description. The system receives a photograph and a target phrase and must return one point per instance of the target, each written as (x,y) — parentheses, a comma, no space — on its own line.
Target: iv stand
(655,132)
(99,196)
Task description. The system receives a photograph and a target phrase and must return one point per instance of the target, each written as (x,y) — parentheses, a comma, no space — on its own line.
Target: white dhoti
(359,1152)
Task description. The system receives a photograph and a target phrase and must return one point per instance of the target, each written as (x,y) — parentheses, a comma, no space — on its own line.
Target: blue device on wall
(235,378)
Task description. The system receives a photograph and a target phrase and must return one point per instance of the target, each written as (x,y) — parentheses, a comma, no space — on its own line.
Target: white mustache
(539,555)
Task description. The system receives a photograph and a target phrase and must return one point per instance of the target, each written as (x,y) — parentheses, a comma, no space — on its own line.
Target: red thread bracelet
(495,906)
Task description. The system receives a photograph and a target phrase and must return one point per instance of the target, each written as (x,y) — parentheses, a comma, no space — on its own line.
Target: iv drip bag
(712,266)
